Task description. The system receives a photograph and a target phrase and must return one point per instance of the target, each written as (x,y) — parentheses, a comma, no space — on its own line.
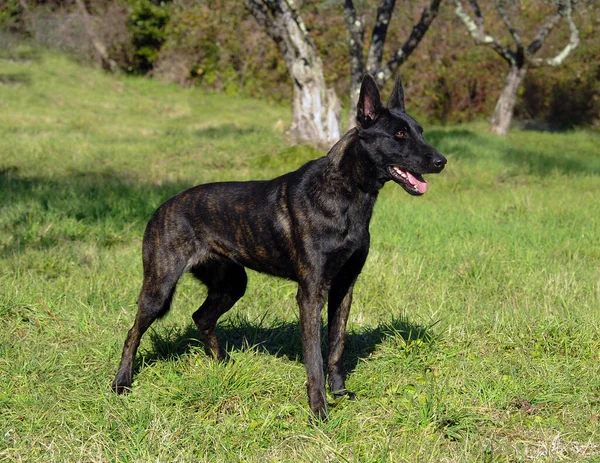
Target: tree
(355,25)
(316,109)
(520,57)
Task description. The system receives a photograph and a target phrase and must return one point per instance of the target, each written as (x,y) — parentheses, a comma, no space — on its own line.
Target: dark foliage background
(217,45)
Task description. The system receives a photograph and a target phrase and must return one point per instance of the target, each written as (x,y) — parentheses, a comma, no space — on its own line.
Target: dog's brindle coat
(310,226)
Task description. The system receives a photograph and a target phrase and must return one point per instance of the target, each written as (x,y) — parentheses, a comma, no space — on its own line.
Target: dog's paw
(344,393)
(120,388)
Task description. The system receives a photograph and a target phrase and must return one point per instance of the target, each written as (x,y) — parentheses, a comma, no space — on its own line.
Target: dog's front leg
(339,302)
(311,300)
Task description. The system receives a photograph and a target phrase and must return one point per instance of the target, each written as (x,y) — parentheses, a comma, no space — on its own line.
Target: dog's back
(267,226)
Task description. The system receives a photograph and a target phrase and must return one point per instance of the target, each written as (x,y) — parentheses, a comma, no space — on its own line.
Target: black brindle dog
(310,226)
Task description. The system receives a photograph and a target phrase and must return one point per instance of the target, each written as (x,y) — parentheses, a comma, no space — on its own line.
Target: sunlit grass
(474,334)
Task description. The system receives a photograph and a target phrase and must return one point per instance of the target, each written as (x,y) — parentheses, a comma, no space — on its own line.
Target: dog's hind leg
(154,302)
(226,283)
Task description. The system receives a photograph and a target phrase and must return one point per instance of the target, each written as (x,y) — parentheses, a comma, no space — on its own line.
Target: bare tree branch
(573,42)
(564,11)
(356,35)
(384,14)
(478,14)
(293,9)
(381,73)
(429,13)
(278,20)
(356,39)
(544,31)
(262,18)
(476,29)
(507,22)
(271,21)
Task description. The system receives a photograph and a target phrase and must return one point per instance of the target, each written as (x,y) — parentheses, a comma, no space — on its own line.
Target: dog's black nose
(439,162)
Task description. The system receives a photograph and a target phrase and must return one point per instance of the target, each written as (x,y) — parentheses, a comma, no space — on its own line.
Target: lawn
(475,329)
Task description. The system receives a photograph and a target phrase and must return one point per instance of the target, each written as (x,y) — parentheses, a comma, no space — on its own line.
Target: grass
(474,335)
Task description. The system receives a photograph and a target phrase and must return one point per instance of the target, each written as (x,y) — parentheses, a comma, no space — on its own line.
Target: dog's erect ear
(369,102)
(396,100)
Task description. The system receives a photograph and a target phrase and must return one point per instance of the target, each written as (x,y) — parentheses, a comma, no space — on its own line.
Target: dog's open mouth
(410,181)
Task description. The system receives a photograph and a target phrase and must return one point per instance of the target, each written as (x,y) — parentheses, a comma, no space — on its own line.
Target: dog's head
(394,140)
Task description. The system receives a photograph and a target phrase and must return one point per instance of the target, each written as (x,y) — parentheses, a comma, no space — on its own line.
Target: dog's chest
(351,232)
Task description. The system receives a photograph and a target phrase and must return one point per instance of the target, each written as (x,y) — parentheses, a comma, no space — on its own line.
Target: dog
(310,226)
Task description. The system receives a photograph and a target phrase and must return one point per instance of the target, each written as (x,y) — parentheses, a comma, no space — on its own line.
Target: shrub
(147,25)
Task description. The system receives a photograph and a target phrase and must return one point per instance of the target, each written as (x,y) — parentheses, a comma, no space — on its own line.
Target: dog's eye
(401,134)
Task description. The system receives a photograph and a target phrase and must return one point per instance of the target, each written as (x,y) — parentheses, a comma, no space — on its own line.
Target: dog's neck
(349,161)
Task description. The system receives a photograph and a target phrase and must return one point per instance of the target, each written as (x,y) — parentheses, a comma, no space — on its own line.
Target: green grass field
(475,329)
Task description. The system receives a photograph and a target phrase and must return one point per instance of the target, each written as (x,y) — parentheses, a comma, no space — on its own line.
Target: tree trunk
(316,111)
(505,106)
(354,94)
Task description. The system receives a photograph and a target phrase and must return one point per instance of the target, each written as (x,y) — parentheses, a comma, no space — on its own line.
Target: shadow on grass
(15,78)
(40,213)
(282,339)
(224,131)
(11,49)
(469,145)
(542,163)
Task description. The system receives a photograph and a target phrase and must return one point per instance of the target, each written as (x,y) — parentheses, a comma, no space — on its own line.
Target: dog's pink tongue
(421,186)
